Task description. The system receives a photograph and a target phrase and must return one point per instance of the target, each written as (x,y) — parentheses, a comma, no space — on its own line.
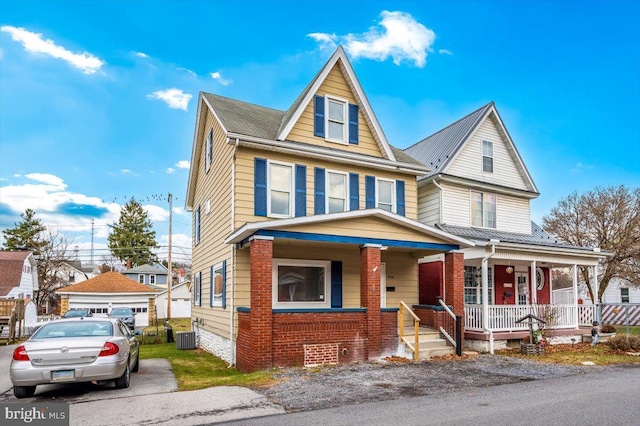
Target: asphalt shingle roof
(437,150)
(146,269)
(11,269)
(109,282)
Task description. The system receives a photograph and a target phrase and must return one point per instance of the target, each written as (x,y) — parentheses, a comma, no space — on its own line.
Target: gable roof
(11,263)
(146,269)
(438,151)
(109,282)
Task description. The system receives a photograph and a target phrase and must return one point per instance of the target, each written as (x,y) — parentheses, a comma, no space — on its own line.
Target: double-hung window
(152,279)
(141,278)
(337,192)
(301,283)
(217,284)
(483,210)
(280,199)
(209,151)
(624,295)
(487,156)
(197,289)
(196,219)
(336,119)
(473,285)
(385,195)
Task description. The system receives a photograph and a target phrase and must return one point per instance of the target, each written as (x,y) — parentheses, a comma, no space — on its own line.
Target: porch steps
(431,344)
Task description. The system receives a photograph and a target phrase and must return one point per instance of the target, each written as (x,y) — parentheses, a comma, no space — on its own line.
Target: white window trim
(139,277)
(197,290)
(393,192)
(491,156)
(345,116)
(291,191)
(215,303)
(326,264)
(152,279)
(197,225)
(471,210)
(326,189)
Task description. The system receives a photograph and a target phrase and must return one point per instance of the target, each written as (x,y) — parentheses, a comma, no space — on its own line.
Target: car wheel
(136,366)
(24,391)
(122,382)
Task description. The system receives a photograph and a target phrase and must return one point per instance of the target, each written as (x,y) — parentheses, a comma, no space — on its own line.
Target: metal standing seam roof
(437,150)
(538,236)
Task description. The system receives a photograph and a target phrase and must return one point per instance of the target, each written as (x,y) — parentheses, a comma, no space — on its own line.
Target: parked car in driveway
(76,313)
(126,315)
(75,350)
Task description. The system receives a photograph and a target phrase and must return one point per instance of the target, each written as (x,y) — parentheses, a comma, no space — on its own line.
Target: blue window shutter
(354,191)
(318,116)
(224,284)
(400,208)
(211,271)
(353,124)
(301,190)
(260,187)
(319,199)
(336,284)
(370,191)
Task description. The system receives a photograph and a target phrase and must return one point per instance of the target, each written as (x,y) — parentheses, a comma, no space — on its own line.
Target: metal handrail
(416,330)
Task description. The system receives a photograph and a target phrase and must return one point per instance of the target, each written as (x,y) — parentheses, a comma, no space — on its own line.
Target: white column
(596,289)
(575,293)
(534,284)
(551,284)
(485,293)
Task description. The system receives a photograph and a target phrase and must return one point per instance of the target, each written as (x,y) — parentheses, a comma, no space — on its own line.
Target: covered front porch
(326,289)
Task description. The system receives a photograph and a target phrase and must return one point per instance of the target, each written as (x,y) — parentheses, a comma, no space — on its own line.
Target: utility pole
(170,281)
(92,241)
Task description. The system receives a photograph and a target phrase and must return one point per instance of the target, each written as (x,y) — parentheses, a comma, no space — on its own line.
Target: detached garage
(180,302)
(111,290)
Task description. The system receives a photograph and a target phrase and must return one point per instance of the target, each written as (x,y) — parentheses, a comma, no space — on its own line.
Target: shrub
(608,328)
(624,342)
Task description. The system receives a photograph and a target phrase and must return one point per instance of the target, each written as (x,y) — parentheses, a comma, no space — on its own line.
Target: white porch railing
(504,317)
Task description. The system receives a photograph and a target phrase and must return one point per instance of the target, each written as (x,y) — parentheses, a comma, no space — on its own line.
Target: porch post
(575,293)
(370,295)
(534,284)
(596,290)
(261,255)
(454,285)
(485,293)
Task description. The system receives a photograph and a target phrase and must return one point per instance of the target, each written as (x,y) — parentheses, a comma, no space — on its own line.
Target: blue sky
(98,99)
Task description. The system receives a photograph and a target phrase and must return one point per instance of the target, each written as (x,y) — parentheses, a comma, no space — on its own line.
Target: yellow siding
(336,85)
(369,227)
(245,173)
(402,273)
(213,186)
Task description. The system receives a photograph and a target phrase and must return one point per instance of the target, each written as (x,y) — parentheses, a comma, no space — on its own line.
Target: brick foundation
(388,332)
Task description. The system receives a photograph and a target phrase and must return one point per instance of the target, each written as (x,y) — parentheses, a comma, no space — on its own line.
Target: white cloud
(445,52)
(156,213)
(174,98)
(188,71)
(217,76)
(33,42)
(50,180)
(398,36)
(128,172)
(141,54)
(171,170)
(581,167)
(183,164)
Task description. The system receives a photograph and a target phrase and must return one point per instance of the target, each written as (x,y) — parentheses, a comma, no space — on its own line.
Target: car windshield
(121,311)
(78,313)
(74,329)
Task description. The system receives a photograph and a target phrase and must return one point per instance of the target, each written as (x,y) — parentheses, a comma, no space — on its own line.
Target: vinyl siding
(402,273)
(215,186)
(468,163)
(456,207)
(245,174)
(429,205)
(336,85)
(612,293)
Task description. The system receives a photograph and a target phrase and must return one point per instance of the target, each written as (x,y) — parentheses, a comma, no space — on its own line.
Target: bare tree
(608,218)
(53,258)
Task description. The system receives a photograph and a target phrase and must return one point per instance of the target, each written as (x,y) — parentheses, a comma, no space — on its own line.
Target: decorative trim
(318,310)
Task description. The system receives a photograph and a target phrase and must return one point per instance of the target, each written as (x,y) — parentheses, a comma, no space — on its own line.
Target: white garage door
(101,309)
(180,308)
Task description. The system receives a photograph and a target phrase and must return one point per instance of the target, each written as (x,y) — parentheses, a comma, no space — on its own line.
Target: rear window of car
(78,313)
(74,329)
(121,311)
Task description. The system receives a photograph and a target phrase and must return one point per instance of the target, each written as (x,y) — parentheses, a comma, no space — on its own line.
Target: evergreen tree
(28,234)
(132,238)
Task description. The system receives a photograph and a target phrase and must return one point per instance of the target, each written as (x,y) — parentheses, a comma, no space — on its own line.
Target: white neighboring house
(621,291)
(18,274)
(107,291)
(180,302)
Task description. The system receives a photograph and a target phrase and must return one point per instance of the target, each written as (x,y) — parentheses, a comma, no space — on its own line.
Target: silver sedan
(75,350)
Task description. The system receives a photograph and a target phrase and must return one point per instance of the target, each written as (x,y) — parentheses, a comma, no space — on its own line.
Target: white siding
(468,163)
(429,204)
(456,207)
(612,293)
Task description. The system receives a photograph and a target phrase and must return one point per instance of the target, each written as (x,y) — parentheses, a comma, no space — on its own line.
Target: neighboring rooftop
(109,282)
(146,269)
(11,269)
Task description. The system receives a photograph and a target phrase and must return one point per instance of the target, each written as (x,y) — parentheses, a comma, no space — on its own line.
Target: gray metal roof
(437,150)
(146,269)
(538,236)
(261,122)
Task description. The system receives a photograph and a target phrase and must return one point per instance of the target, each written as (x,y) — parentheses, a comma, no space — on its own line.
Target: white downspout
(485,293)
(440,218)
(233,257)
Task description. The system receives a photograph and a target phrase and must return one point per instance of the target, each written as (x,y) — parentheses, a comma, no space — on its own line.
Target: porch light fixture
(509,269)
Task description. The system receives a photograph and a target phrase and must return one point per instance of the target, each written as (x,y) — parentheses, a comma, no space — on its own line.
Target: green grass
(633,329)
(198,369)
(577,354)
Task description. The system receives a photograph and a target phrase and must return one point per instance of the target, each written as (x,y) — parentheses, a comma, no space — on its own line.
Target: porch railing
(452,326)
(416,330)
(504,317)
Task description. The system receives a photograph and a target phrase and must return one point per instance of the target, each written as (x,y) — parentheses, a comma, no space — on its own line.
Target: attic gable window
(483,210)
(336,120)
(487,156)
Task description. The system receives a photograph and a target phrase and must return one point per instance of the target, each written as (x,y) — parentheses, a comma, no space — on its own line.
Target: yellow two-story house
(305,231)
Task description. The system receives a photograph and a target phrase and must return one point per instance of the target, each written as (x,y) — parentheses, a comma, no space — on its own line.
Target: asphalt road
(590,399)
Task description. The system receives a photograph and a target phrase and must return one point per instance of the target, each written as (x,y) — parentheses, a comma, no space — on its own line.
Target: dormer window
(487,156)
(336,124)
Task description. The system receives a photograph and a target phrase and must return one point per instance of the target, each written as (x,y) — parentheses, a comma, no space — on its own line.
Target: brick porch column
(261,257)
(370,295)
(454,283)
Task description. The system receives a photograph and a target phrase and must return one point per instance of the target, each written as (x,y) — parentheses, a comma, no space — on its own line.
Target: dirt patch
(301,389)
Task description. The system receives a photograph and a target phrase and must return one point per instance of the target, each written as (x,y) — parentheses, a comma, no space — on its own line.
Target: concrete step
(426,342)
(427,353)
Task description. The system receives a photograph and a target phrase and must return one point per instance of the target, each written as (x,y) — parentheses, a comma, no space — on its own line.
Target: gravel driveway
(301,389)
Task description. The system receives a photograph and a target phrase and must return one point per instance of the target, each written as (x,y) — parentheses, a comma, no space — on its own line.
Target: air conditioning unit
(186,340)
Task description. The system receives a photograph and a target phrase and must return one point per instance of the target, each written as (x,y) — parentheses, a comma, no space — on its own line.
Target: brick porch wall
(370,296)
(244,358)
(388,332)
(454,284)
(261,320)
